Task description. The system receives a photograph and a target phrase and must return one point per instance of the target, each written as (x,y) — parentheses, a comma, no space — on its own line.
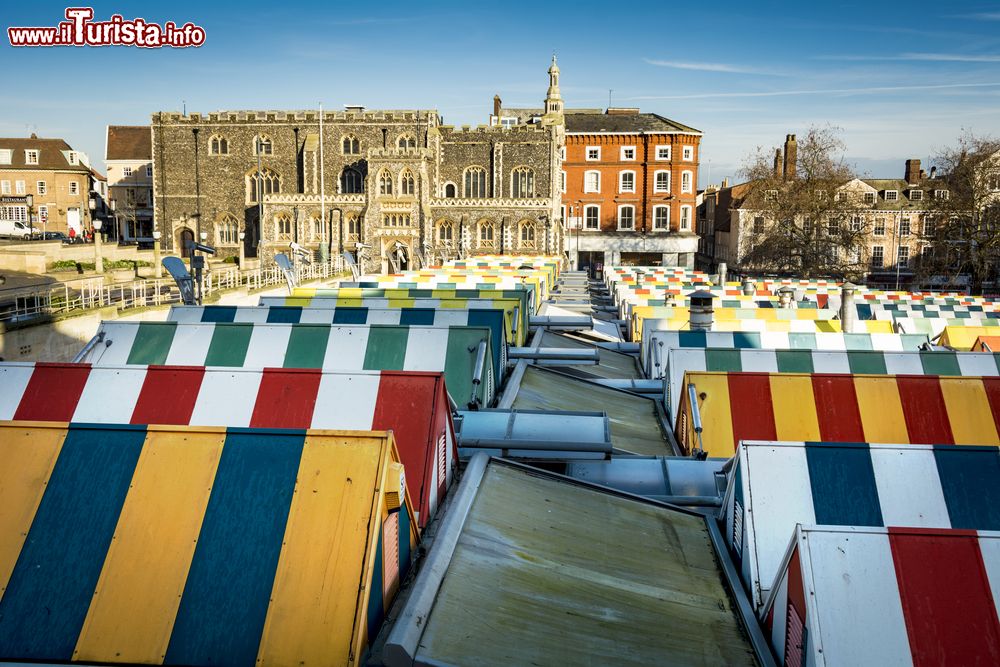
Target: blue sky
(900,80)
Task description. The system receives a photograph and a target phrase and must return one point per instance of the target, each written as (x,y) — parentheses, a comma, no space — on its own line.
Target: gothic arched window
(262,145)
(475,183)
(351,145)
(487,234)
(522,185)
(351,182)
(263,182)
(406,185)
(446,231)
(385,183)
(527,234)
(218,145)
(406,141)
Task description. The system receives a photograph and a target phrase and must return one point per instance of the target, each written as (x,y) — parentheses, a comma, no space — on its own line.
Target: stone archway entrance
(185,237)
(397,255)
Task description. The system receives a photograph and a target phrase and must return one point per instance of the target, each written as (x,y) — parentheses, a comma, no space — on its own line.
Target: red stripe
(822,300)
(924,410)
(286,398)
(168,395)
(751,408)
(53,392)
(992,386)
(837,408)
(950,615)
(405,406)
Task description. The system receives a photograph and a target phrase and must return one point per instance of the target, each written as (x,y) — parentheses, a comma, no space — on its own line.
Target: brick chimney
(497,106)
(777,164)
(791,153)
(912,175)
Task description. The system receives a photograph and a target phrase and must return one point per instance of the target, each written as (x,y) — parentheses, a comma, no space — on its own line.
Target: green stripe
(802,341)
(229,345)
(152,343)
(386,348)
(460,361)
(794,361)
(869,363)
(307,346)
(940,363)
(723,360)
(854,341)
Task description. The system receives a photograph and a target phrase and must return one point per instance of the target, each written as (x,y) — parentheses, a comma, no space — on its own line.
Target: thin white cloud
(917,57)
(826,91)
(710,67)
(981,16)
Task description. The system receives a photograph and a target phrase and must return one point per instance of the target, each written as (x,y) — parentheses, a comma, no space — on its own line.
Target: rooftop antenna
(609,97)
(184,105)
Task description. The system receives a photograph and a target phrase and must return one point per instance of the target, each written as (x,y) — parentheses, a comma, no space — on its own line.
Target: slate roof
(51,154)
(129,142)
(636,122)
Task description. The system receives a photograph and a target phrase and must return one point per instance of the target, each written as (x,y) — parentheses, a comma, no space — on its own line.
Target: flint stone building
(411,189)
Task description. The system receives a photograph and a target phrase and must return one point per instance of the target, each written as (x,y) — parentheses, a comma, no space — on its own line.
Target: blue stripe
(419,316)
(843,484)
(691,339)
(53,582)
(404,542)
(221,615)
(350,315)
(970,482)
(744,340)
(284,314)
(218,314)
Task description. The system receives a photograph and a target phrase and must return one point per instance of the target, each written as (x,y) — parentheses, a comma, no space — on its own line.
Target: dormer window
(916,195)
(892,195)
(5,155)
(31,156)
(770,195)
(940,194)
(870,198)
(73,158)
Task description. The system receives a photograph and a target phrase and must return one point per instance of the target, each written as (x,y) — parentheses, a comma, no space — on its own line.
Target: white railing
(18,305)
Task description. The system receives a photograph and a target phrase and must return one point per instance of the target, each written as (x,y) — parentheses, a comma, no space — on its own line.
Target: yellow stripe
(717,419)
(442,293)
(400,303)
(457,304)
(324,552)
(302,301)
(833,326)
(139,591)
(28,453)
(794,408)
(969,411)
(881,410)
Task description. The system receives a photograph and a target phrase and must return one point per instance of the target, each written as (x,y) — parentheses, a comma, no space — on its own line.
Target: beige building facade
(56,177)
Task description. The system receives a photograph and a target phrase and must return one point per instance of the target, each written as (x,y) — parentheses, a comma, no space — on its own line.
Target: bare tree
(963,216)
(804,216)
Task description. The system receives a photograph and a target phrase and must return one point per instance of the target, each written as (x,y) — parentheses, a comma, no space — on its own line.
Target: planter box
(121,275)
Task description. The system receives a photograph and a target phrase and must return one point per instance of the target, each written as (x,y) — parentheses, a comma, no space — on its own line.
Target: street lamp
(157,268)
(243,251)
(98,255)
(29,201)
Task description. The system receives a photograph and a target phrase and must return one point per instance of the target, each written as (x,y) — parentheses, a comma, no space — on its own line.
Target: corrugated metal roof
(634,424)
(612,365)
(548,572)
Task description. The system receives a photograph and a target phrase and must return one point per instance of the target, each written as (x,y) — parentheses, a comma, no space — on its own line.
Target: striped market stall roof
(825,407)
(412,405)
(346,347)
(682,360)
(536,284)
(720,315)
(515,316)
(964,338)
(887,596)
(987,344)
(198,546)
(302,296)
(776,485)
(793,326)
(492,319)
(934,326)
(658,343)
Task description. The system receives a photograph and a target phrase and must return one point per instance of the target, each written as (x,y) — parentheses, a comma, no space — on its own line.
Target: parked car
(55,236)
(15,230)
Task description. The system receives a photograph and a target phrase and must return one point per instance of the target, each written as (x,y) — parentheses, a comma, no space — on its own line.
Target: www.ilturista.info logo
(81,30)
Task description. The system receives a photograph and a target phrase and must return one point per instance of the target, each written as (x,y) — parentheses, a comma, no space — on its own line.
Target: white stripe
(384,316)
(251,315)
(977,364)
(780,618)
(909,488)
(678,361)
(14,378)
(121,336)
(110,395)
(426,349)
(190,344)
(903,363)
(346,347)
(759,361)
(346,401)
(887,342)
(190,314)
(774,340)
(989,546)
(780,497)
(858,616)
(226,398)
(830,341)
(830,362)
(268,344)
(317,315)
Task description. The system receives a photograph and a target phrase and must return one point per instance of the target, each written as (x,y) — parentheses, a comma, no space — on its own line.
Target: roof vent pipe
(702,313)
(848,313)
(723,270)
(749,288)
(786,296)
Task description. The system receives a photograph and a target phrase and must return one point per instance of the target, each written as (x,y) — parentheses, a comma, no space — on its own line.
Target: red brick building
(629,188)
